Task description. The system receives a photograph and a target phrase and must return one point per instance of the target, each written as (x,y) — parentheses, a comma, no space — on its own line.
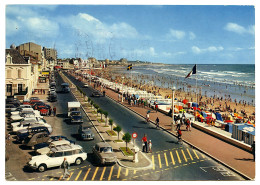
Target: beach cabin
(243,132)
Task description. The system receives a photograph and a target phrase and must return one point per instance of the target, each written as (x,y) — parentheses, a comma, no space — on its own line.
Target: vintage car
(52,144)
(85,133)
(23,134)
(103,152)
(41,137)
(73,154)
(96,94)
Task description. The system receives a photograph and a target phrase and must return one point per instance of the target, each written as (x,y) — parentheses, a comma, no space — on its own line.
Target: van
(73,106)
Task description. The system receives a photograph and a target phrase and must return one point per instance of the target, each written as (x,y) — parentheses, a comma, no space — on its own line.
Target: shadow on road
(245,159)
(61,115)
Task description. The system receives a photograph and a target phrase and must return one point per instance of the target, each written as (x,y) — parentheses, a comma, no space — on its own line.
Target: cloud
(233,27)
(197,50)
(178,34)
(192,36)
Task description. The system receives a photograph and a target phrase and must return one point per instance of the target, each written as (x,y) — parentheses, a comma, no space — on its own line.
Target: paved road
(171,161)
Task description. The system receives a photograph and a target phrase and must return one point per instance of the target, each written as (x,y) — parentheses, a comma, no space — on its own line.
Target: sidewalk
(229,155)
(124,161)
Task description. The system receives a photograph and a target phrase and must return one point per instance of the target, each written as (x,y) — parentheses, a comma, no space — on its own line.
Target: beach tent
(194,104)
(218,116)
(184,101)
(204,114)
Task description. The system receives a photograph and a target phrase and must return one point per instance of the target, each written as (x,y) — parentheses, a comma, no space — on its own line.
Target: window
(19,73)
(8,87)
(77,151)
(9,73)
(67,153)
(20,86)
(58,154)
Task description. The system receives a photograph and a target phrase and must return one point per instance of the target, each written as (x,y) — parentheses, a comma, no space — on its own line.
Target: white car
(21,110)
(28,120)
(20,107)
(18,117)
(73,154)
(29,125)
(53,144)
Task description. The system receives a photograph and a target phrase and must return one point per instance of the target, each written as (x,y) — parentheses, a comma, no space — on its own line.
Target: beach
(224,105)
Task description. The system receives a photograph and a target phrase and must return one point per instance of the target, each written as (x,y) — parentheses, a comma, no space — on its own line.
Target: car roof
(103,144)
(65,148)
(60,142)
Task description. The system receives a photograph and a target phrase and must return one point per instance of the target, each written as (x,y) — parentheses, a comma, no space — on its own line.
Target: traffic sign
(134,135)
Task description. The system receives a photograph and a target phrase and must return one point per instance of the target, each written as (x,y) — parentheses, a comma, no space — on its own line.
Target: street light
(173,123)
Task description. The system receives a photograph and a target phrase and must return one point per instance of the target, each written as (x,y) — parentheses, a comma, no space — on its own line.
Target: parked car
(41,137)
(32,102)
(14,101)
(52,97)
(104,153)
(96,94)
(65,87)
(31,124)
(52,138)
(85,133)
(20,108)
(28,120)
(73,153)
(52,144)
(23,134)
(9,108)
(35,106)
(26,102)
(20,116)
(34,98)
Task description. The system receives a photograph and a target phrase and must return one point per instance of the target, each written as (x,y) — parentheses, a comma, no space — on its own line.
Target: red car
(32,102)
(43,110)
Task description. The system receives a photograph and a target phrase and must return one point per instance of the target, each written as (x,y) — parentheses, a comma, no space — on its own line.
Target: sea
(235,81)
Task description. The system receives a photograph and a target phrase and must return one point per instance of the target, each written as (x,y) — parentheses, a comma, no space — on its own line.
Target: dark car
(85,133)
(52,97)
(23,134)
(96,94)
(37,138)
(52,138)
(9,107)
(34,98)
(65,87)
(76,119)
(37,104)
(13,101)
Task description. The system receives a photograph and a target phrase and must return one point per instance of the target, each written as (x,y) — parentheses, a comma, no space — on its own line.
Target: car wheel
(78,161)
(42,168)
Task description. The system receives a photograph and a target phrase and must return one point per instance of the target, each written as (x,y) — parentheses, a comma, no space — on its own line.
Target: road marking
(153,162)
(86,175)
(203,156)
(195,154)
(189,154)
(126,172)
(178,156)
(78,175)
(173,162)
(103,172)
(184,155)
(110,174)
(60,177)
(159,158)
(118,173)
(134,171)
(69,176)
(166,161)
(51,178)
(95,173)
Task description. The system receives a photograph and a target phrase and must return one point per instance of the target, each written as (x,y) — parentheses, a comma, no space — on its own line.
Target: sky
(172,34)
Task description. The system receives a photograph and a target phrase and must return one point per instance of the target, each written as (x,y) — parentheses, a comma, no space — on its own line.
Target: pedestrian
(188,125)
(50,111)
(65,165)
(157,122)
(178,124)
(253,149)
(156,107)
(54,111)
(150,146)
(179,134)
(43,91)
(145,144)
(147,117)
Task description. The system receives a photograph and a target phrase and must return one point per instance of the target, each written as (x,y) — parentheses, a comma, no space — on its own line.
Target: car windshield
(77,117)
(75,113)
(106,149)
(85,128)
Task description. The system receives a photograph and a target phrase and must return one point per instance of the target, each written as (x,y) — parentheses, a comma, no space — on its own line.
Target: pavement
(230,155)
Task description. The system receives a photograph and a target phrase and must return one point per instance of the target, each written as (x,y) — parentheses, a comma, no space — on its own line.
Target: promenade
(228,154)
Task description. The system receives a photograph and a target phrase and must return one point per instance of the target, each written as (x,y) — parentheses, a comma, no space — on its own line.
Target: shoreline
(225,105)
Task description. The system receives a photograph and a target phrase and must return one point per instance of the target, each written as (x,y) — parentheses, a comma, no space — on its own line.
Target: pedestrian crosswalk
(161,161)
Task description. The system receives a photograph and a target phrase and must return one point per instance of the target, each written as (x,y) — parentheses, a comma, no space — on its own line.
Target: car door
(55,159)
(70,157)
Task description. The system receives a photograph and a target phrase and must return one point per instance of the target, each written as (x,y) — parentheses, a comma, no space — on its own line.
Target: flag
(193,71)
(129,67)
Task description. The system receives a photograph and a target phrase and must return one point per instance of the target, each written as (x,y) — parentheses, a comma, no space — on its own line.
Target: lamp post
(173,123)
(122,88)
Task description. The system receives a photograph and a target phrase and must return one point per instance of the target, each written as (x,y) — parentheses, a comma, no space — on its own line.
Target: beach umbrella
(209,117)
(184,101)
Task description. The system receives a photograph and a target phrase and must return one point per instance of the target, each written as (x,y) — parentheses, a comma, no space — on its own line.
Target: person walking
(157,122)
(50,111)
(54,111)
(147,117)
(253,149)
(178,124)
(145,146)
(179,134)
(65,165)
(188,125)
(150,146)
